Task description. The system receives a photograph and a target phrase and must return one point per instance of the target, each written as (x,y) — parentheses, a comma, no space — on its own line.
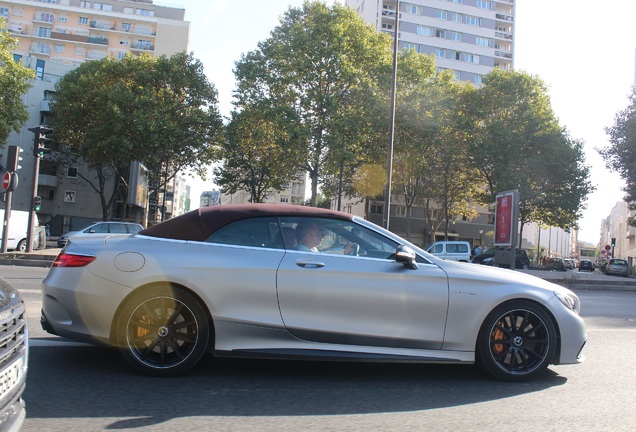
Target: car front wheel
(163,332)
(517,341)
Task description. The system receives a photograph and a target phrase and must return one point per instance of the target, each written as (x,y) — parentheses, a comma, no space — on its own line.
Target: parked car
(450,250)
(488,258)
(617,266)
(586,265)
(225,280)
(13,357)
(569,263)
(555,263)
(101,229)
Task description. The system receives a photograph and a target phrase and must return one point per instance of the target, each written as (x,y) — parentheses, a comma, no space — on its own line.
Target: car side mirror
(406,256)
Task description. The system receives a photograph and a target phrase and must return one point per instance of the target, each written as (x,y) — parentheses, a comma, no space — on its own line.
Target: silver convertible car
(261,280)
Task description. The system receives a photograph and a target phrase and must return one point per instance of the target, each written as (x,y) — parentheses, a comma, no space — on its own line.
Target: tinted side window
(133,228)
(118,228)
(99,228)
(255,232)
(436,248)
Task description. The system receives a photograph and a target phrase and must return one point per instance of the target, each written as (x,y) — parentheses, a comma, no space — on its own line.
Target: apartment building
(471,37)
(56,36)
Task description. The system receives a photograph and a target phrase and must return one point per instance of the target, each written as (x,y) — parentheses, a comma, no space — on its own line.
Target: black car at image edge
(13,357)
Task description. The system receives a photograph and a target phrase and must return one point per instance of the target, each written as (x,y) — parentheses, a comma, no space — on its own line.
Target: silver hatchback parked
(617,266)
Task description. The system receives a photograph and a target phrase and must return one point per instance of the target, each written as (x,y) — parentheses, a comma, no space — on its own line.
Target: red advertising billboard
(504,217)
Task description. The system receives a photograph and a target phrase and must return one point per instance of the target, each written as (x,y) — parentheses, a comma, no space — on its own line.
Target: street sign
(607,247)
(6,181)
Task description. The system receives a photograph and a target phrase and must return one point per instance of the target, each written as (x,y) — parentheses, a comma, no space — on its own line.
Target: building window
(69,196)
(284,200)
(145,12)
(440,53)
(83,20)
(457,17)
(39,68)
(59,48)
(386,26)
(458,75)
(411,46)
(298,188)
(456,56)
(458,1)
(4,12)
(17,58)
(62,18)
(473,21)
(125,26)
(478,79)
(85,4)
(121,55)
(484,42)
(442,14)
(456,36)
(440,33)
(400,211)
(71,173)
(376,208)
(44,32)
(483,4)
(424,31)
(471,58)
(414,9)
(102,6)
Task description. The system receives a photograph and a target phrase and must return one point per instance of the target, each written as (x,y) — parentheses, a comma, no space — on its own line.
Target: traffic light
(613,241)
(37,203)
(14,158)
(40,140)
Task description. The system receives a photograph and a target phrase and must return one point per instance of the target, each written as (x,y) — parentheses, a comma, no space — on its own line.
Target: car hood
(458,271)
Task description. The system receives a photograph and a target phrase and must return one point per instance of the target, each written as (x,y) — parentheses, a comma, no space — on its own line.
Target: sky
(585,53)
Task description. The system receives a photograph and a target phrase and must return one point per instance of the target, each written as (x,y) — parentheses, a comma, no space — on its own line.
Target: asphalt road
(76,387)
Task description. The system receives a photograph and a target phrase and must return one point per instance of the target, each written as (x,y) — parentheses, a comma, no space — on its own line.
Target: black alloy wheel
(517,341)
(163,332)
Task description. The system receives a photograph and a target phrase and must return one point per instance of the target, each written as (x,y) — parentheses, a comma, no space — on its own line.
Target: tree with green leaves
(430,166)
(315,56)
(258,153)
(516,143)
(620,154)
(14,82)
(161,111)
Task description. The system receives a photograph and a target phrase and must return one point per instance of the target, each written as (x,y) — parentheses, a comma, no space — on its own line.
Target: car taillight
(71,260)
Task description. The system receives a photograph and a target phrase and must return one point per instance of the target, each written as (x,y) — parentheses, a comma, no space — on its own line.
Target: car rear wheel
(163,332)
(517,341)
(21,246)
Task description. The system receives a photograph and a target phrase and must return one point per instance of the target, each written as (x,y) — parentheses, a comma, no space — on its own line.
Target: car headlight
(570,300)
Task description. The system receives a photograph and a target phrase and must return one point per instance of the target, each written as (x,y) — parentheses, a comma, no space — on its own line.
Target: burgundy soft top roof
(199,224)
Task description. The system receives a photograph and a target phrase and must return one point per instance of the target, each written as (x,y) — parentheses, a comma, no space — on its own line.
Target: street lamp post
(389,167)
(345,96)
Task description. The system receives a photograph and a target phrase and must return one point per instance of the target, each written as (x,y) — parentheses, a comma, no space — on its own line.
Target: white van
(450,250)
(18,224)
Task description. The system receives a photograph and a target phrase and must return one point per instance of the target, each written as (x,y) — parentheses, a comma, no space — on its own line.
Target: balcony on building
(142,46)
(504,17)
(48,180)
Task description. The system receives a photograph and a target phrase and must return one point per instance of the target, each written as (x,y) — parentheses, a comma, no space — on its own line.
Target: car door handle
(310,264)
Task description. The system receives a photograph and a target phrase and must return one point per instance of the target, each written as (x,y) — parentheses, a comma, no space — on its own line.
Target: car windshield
(618,262)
